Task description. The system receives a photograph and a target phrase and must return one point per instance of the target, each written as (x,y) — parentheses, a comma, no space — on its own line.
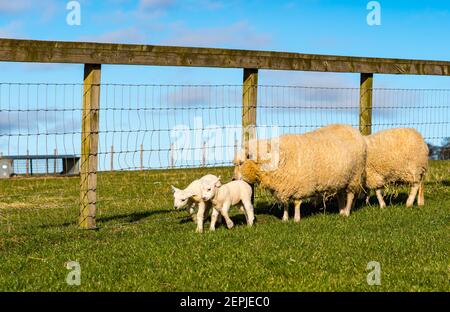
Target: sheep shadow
(238,219)
(389,199)
(125,218)
(307,209)
(132,217)
(330,206)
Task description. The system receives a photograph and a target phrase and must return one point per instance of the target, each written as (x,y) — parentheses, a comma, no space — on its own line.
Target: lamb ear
(174,189)
(218,183)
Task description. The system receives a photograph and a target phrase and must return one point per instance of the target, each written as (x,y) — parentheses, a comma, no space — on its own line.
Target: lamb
(397,156)
(224,196)
(329,160)
(192,196)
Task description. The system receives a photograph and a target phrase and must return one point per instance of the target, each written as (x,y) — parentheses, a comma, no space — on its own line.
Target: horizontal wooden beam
(14,50)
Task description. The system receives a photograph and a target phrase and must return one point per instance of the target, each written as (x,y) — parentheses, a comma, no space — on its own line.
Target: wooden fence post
(204,154)
(89,145)
(27,164)
(55,151)
(365,104)
(171,162)
(112,159)
(249,101)
(142,157)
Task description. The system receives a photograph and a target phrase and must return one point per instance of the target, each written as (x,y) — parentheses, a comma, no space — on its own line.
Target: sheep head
(248,171)
(209,188)
(181,198)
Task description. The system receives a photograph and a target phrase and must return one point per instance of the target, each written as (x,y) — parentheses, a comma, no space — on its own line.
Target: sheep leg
(219,218)
(346,211)
(225,209)
(215,213)
(192,213)
(297,203)
(286,212)
(242,209)
(341,200)
(412,195)
(249,212)
(421,197)
(200,217)
(380,198)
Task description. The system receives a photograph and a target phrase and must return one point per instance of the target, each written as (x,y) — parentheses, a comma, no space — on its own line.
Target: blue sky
(409,29)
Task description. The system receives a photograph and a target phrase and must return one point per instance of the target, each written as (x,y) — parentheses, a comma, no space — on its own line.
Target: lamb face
(209,187)
(237,173)
(180,198)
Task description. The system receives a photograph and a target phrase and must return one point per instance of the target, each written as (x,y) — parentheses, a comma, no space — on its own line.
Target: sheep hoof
(230,225)
(199,230)
(297,220)
(344,213)
(212,229)
(382,206)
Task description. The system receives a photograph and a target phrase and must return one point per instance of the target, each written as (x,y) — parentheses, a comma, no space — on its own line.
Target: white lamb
(192,196)
(224,196)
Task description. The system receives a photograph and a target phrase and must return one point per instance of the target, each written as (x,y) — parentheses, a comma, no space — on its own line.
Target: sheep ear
(218,183)
(174,189)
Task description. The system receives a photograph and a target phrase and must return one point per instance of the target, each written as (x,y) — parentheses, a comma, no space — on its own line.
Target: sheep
(397,156)
(329,160)
(224,196)
(192,196)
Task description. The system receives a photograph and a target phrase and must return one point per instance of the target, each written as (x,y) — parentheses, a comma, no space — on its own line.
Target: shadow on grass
(389,199)
(443,182)
(131,217)
(329,207)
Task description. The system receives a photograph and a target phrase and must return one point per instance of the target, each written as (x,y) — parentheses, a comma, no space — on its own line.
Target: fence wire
(152,136)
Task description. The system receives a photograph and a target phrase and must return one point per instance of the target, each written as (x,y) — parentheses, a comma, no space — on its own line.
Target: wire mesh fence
(152,136)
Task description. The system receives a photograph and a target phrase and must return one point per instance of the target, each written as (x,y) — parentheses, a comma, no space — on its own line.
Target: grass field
(144,245)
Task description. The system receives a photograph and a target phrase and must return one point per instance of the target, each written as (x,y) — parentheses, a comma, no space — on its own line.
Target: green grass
(143,245)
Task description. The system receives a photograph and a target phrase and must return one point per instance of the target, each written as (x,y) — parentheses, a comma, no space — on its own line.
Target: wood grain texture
(89,146)
(14,50)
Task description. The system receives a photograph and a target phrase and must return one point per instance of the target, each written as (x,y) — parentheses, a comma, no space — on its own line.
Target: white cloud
(43,10)
(237,35)
(14,6)
(125,35)
(10,30)
(155,4)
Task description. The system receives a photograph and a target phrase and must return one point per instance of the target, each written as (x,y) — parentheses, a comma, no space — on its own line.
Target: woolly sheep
(192,196)
(224,196)
(329,160)
(397,156)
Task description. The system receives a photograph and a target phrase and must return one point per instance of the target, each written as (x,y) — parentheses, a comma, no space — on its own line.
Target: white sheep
(224,196)
(192,196)
(329,160)
(397,156)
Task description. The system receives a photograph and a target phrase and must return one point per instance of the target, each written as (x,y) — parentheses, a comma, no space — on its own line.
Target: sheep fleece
(327,160)
(395,155)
